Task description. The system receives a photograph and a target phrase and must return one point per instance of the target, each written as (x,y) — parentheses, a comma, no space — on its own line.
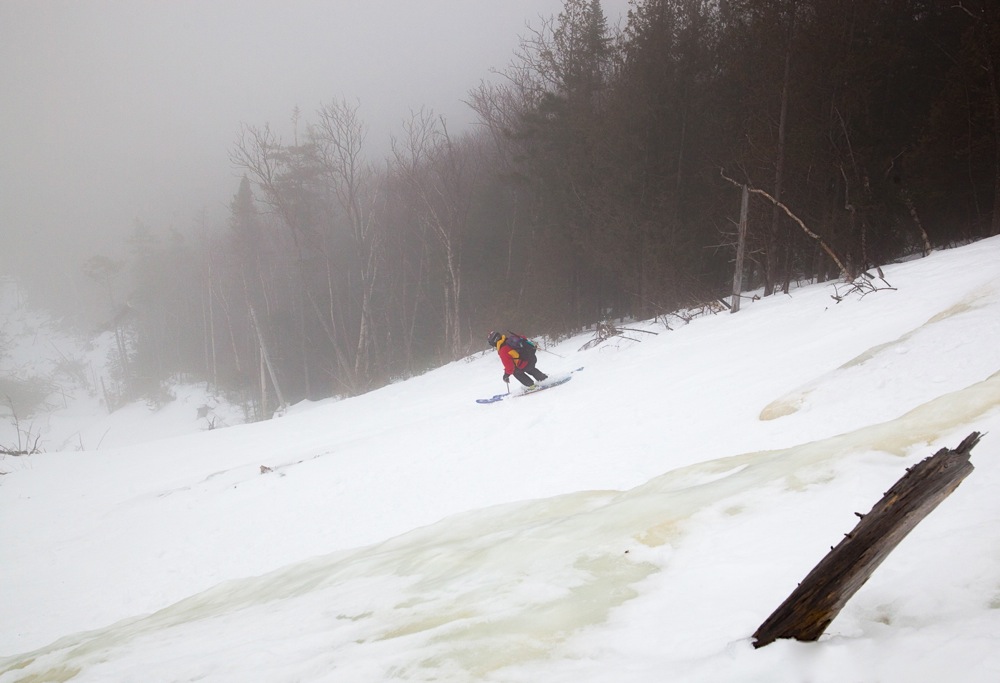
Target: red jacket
(510,358)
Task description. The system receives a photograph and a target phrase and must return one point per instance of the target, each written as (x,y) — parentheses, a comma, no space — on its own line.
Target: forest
(602,182)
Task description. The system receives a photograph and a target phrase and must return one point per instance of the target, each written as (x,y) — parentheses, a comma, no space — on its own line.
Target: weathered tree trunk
(741,241)
(806,613)
(912,208)
(774,241)
(267,360)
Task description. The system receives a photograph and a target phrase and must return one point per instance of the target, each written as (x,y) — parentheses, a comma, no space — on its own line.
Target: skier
(518,357)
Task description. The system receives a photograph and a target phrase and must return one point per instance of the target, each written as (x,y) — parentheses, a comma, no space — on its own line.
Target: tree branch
(843,270)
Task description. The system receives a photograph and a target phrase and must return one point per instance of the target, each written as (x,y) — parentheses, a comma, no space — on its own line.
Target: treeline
(601,182)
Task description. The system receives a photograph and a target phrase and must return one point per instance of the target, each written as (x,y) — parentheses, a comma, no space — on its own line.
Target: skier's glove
(506,378)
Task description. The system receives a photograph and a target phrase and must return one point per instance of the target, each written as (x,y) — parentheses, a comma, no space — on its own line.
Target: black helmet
(494,338)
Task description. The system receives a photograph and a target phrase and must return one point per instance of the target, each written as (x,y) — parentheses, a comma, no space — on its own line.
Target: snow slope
(636,524)
(66,372)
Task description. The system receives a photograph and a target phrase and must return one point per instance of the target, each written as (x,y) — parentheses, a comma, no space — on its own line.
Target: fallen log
(806,613)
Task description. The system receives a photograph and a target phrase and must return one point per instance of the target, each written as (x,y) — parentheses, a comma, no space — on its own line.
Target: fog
(121,111)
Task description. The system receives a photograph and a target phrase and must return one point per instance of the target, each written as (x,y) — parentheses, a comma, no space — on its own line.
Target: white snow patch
(637,523)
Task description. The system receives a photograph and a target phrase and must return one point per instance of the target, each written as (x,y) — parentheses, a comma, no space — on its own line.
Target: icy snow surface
(636,524)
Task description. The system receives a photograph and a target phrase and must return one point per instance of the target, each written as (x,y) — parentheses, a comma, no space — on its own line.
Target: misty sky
(117,110)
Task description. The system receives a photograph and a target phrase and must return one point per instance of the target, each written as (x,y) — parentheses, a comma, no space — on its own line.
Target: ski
(541,386)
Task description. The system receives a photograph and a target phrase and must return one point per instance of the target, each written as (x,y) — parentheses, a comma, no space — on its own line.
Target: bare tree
(440,173)
(844,271)
(339,138)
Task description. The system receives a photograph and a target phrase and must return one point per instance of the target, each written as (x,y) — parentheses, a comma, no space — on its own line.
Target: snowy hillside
(52,382)
(636,524)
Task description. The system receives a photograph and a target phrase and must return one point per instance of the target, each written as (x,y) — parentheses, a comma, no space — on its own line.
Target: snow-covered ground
(636,524)
(53,383)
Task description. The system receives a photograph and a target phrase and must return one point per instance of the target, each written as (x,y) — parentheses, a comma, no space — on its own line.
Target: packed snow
(635,524)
